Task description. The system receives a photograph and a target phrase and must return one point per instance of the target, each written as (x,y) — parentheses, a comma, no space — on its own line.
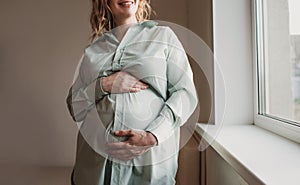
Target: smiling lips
(126,3)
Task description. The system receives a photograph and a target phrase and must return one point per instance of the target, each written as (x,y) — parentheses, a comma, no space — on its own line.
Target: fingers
(124,151)
(137,144)
(124,146)
(135,137)
(138,86)
(133,84)
(122,82)
(121,133)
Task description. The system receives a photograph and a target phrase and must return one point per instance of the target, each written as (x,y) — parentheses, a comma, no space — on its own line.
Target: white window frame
(279,126)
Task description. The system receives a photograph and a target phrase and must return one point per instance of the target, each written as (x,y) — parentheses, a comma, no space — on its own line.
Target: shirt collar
(149,23)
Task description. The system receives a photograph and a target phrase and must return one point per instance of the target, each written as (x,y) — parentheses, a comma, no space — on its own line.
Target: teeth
(126,3)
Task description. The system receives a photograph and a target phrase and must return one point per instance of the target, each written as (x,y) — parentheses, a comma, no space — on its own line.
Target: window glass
(279,62)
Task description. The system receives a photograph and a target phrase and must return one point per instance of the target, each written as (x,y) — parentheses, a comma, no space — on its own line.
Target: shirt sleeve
(182,97)
(85,92)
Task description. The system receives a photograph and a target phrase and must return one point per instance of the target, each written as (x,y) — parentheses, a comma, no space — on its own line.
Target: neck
(121,26)
(128,21)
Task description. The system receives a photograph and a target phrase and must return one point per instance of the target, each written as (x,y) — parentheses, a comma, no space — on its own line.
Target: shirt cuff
(99,92)
(163,126)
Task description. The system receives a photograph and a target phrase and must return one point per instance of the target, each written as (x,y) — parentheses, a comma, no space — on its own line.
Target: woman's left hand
(122,82)
(139,142)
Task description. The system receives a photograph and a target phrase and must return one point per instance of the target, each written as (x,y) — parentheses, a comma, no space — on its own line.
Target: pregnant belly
(138,110)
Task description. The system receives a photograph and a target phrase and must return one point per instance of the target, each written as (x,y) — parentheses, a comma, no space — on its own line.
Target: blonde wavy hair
(101,18)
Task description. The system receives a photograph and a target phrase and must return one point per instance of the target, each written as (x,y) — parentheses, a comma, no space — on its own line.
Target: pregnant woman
(132,91)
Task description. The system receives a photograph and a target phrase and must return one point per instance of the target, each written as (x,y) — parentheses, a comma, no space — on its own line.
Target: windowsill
(259,156)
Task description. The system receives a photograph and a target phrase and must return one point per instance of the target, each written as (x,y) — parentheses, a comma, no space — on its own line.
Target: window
(278,59)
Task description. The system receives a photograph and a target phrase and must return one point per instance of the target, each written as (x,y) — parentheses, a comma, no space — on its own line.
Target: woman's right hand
(122,82)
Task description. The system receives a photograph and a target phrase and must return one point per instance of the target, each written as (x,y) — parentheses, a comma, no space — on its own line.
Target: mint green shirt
(154,55)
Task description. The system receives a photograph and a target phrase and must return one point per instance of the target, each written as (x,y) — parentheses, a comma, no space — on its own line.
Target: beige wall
(196,15)
(41,43)
(171,10)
